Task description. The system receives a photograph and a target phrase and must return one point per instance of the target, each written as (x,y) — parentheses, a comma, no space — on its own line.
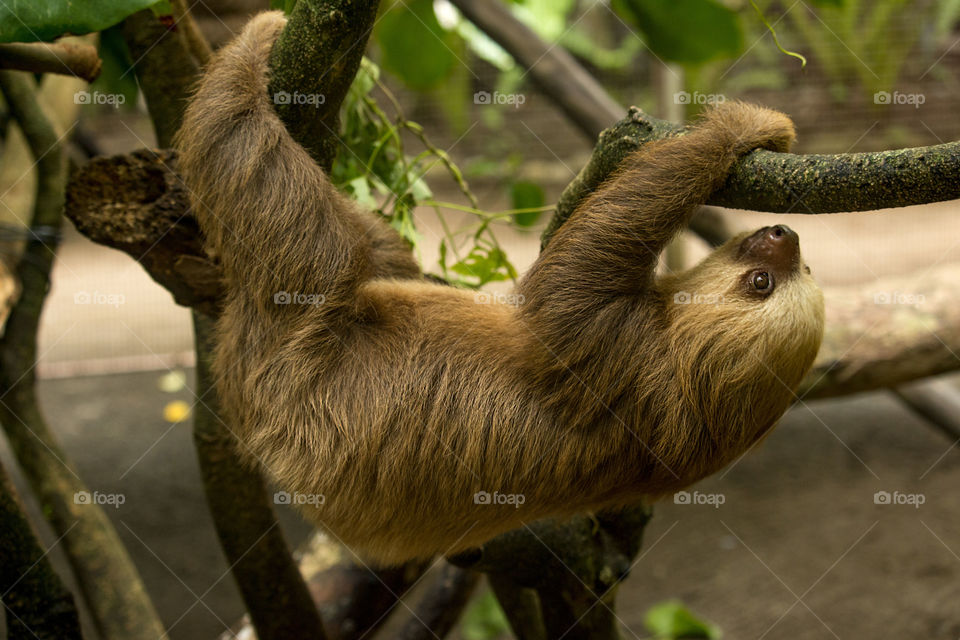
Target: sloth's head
(746,324)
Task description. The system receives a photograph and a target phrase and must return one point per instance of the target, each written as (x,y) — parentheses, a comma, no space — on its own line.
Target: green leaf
(526,195)
(485,265)
(672,620)
(484,620)
(36,20)
(115,75)
(686,31)
(415,47)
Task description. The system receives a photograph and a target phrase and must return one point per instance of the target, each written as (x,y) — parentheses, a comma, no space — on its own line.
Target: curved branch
(552,68)
(64,58)
(318,54)
(785,182)
(107,576)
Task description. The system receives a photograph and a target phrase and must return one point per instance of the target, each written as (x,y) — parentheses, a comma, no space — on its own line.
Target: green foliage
(528,197)
(415,47)
(116,76)
(876,38)
(283,5)
(685,31)
(44,20)
(671,620)
(484,619)
(376,170)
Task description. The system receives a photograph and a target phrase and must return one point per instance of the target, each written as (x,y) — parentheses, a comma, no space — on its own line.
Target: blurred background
(799,548)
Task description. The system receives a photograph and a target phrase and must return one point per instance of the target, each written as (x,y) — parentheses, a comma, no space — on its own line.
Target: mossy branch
(318,54)
(784,182)
(109,581)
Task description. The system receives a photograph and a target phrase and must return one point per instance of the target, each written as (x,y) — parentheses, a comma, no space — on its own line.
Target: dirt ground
(797,550)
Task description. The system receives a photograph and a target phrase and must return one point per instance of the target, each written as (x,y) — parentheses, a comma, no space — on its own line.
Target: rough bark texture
(107,577)
(36,603)
(788,183)
(318,53)
(574,567)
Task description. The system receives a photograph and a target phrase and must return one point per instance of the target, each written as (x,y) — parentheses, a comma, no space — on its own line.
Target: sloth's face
(753,296)
(752,270)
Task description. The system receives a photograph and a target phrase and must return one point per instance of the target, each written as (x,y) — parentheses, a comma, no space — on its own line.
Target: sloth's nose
(782,233)
(777,246)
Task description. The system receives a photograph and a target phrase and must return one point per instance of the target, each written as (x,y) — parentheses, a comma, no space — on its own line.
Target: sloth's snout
(777,247)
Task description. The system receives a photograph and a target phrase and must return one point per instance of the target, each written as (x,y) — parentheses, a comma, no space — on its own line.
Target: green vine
(377,171)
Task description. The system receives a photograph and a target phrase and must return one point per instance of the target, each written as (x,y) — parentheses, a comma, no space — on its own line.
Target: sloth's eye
(762,281)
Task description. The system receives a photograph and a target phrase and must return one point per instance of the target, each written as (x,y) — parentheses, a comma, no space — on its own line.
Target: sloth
(409,418)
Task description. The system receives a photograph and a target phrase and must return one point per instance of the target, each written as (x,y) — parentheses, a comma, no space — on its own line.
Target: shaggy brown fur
(399,400)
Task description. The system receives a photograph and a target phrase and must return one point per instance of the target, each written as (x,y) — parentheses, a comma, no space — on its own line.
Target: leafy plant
(671,620)
(35,20)
(376,170)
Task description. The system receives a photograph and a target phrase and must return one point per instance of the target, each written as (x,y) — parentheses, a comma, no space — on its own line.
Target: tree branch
(571,88)
(37,603)
(439,608)
(785,182)
(64,58)
(318,54)
(165,70)
(108,578)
